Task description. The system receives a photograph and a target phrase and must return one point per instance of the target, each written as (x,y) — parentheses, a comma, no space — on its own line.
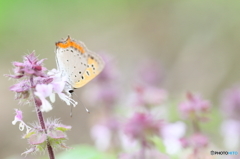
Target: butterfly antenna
(82,104)
(71,114)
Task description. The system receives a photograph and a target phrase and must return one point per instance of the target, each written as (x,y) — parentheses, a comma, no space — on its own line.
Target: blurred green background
(197,43)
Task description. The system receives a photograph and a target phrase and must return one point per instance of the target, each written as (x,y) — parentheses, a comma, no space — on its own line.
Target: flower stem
(41,119)
(195,124)
(142,151)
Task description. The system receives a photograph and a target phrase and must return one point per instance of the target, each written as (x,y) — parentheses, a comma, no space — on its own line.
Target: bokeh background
(196,43)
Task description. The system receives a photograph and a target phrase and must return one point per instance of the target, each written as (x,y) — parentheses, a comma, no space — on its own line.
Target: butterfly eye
(71,91)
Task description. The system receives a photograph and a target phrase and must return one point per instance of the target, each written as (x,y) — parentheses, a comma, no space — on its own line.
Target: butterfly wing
(77,63)
(71,64)
(94,67)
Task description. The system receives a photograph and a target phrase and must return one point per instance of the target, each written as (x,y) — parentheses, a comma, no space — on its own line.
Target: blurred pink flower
(230,130)
(110,71)
(105,89)
(104,93)
(196,141)
(193,104)
(147,96)
(171,134)
(231,102)
(199,140)
(101,135)
(140,126)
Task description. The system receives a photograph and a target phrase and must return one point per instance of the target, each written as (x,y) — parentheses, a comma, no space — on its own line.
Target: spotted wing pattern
(77,63)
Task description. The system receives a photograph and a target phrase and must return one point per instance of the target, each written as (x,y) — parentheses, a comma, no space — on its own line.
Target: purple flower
(43,91)
(41,84)
(199,140)
(196,141)
(36,85)
(109,73)
(148,96)
(230,130)
(18,118)
(22,89)
(103,132)
(104,89)
(194,105)
(30,66)
(172,133)
(56,85)
(142,125)
(231,102)
(104,93)
(102,136)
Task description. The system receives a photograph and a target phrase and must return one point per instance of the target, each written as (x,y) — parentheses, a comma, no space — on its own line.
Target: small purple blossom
(31,66)
(43,91)
(194,105)
(142,125)
(18,118)
(197,141)
(148,96)
(104,89)
(171,134)
(42,84)
(104,132)
(194,110)
(110,72)
(231,102)
(102,136)
(22,89)
(34,84)
(231,127)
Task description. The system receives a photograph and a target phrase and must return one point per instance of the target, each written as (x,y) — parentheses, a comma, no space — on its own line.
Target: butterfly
(78,64)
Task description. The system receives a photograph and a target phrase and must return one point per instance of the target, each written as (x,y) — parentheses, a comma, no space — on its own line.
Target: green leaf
(159,144)
(61,129)
(29,135)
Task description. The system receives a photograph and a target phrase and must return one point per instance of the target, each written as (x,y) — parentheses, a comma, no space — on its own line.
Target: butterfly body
(77,63)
